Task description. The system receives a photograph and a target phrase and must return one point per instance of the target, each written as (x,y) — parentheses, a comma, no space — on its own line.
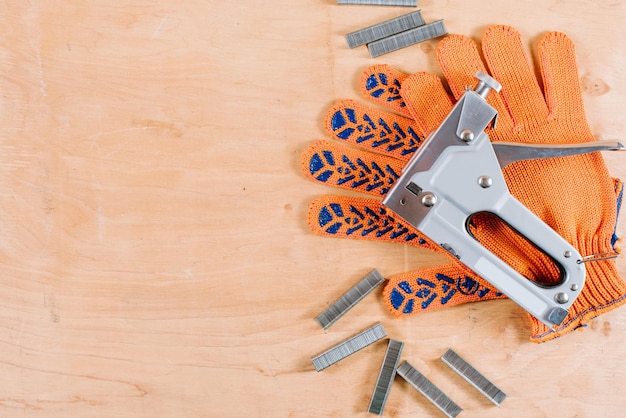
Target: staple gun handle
(549,303)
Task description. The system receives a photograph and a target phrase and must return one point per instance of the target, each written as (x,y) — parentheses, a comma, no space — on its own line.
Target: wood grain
(154,254)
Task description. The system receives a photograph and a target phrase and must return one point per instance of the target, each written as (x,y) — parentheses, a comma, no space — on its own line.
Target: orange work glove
(524,116)
(558,190)
(393,138)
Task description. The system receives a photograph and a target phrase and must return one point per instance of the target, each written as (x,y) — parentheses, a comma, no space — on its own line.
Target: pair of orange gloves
(575,195)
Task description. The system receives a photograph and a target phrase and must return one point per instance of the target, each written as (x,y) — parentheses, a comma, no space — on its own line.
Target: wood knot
(426,47)
(593,85)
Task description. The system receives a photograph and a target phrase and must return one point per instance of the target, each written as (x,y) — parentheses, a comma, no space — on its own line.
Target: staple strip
(350,298)
(409,3)
(406,38)
(430,391)
(473,376)
(384,29)
(348,347)
(386,376)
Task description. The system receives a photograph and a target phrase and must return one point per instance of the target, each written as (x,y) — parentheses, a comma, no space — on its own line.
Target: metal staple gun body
(457,173)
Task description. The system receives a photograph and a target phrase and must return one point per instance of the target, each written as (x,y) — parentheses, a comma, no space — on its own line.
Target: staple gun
(457,173)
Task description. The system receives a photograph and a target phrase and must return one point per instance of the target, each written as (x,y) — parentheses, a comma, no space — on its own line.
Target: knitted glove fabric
(543,185)
(371,147)
(574,195)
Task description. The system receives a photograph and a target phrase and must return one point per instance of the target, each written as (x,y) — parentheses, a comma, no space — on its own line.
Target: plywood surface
(154,254)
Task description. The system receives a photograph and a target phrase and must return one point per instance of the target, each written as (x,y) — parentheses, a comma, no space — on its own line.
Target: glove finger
(360,218)
(337,165)
(427,100)
(373,129)
(459,60)
(510,65)
(435,288)
(381,84)
(557,60)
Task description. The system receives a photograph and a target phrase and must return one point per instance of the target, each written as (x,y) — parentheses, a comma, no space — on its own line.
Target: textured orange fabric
(557,190)
(371,148)
(574,195)
(439,287)
(388,97)
(517,251)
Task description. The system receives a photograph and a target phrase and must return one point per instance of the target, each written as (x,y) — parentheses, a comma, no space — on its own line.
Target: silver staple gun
(457,173)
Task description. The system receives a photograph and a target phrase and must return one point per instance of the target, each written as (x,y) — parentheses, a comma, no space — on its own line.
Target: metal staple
(350,298)
(386,376)
(430,391)
(473,376)
(385,29)
(409,3)
(349,347)
(406,38)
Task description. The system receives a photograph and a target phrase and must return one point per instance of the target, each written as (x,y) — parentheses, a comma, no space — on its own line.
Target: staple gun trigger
(457,173)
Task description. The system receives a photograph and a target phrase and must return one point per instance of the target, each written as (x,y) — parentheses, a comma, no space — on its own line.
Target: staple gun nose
(457,173)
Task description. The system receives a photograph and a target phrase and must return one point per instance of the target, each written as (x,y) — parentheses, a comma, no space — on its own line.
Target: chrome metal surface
(349,347)
(485,84)
(599,257)
(385,377)
(429,200)
(410,3)
(485,181)
(562,297)
(467,135)
(385,29)
(347,301)
(407,38)
(473,376)
(510,152)
(429,390)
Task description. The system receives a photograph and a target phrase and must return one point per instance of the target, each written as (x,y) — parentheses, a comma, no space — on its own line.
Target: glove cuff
(604,291)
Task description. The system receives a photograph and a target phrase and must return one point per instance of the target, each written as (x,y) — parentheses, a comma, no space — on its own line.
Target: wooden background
(154,254)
